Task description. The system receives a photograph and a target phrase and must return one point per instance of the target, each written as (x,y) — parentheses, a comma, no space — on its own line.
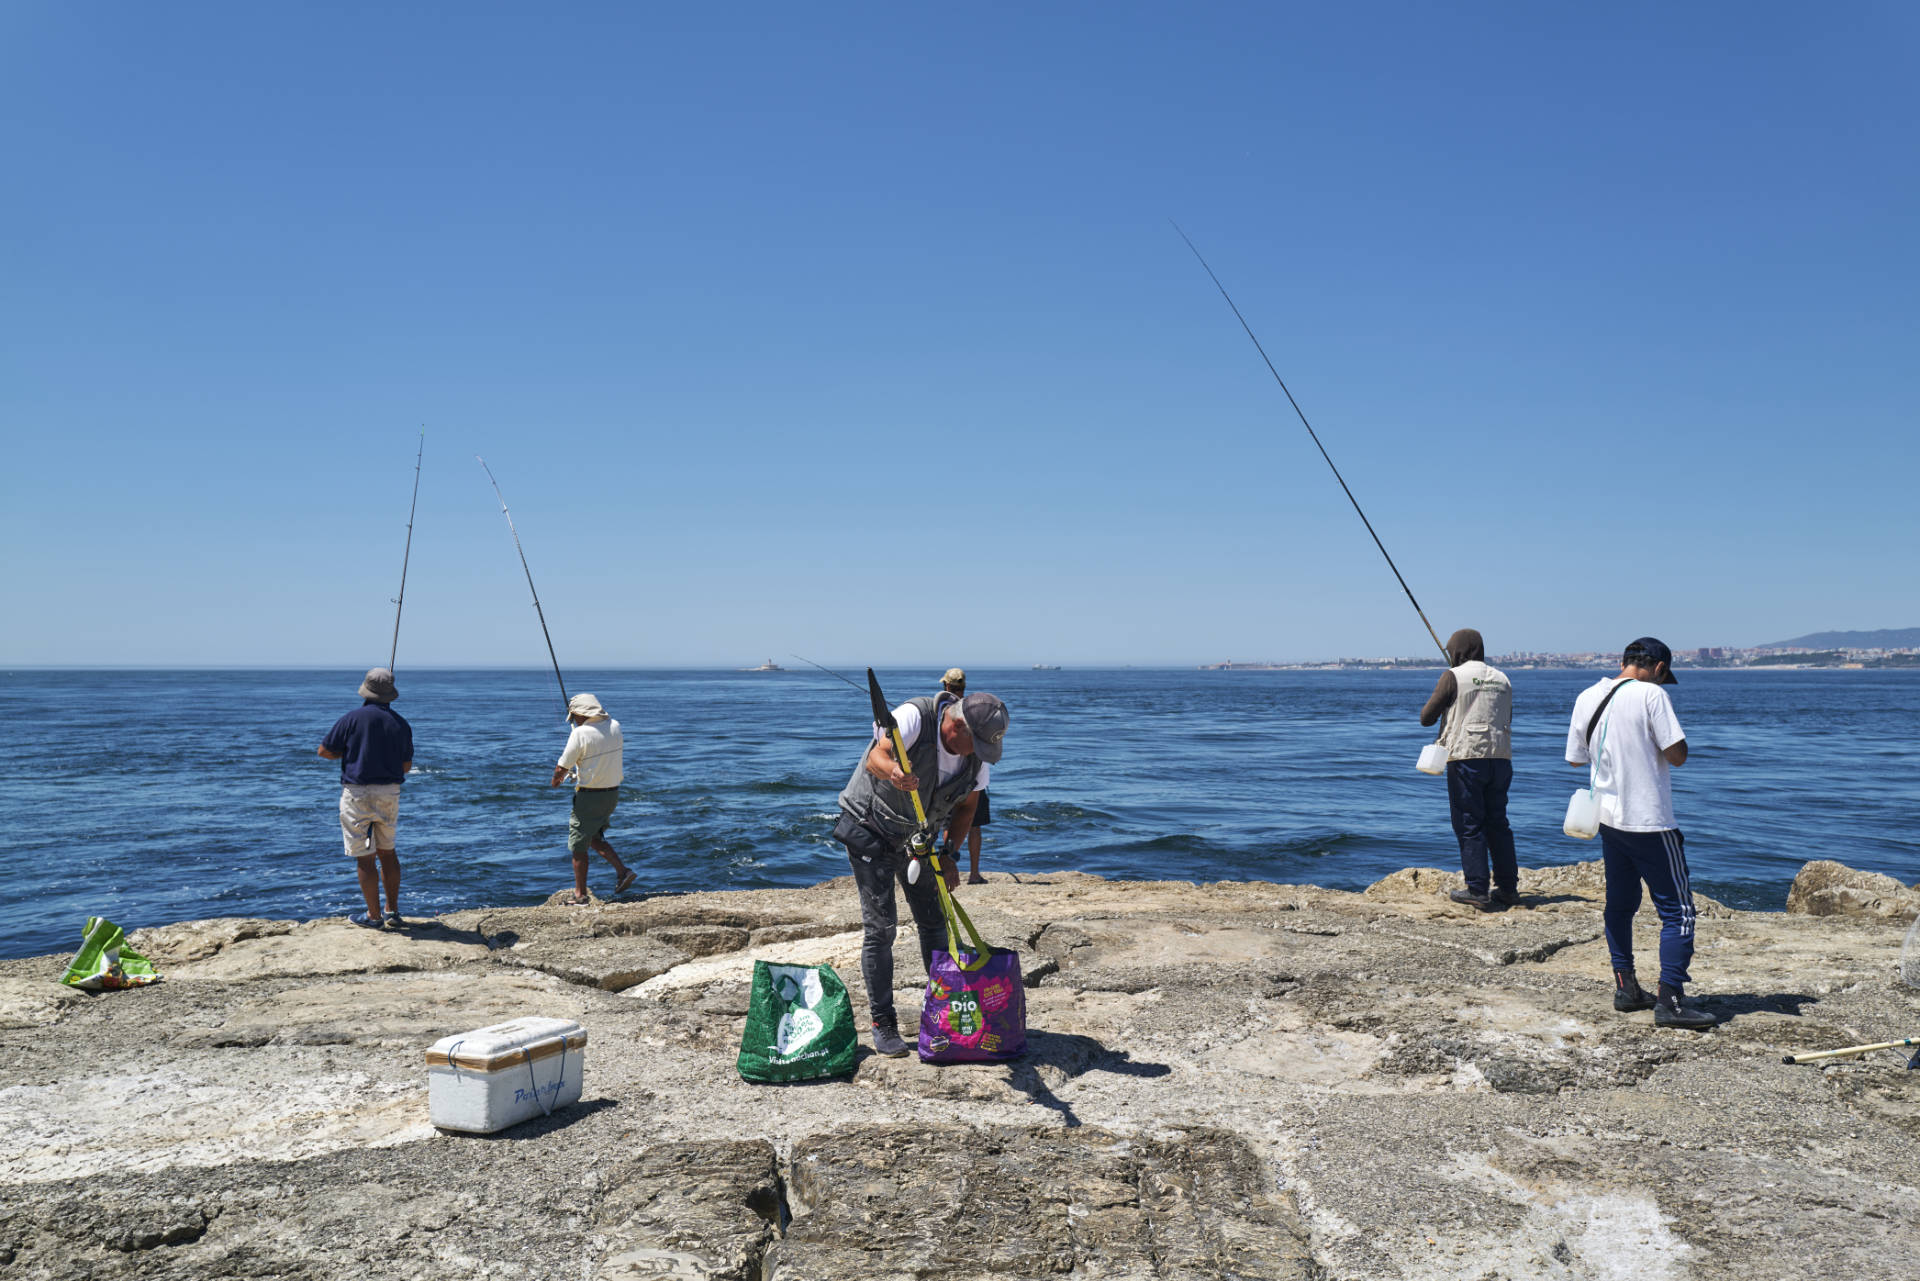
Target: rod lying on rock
(1853,1051)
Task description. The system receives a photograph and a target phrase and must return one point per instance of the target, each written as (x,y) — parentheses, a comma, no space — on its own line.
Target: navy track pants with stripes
(1660,860)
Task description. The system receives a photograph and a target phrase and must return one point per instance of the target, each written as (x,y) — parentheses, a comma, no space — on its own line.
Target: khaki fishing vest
(884,808)
(1479,725)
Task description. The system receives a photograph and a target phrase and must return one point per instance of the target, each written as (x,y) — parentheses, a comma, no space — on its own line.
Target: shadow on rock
(1548,900)
(539,1126)
(1070,1054)
(1733,1005)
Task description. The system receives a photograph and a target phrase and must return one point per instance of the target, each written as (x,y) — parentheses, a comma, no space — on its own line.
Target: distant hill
(1885,638)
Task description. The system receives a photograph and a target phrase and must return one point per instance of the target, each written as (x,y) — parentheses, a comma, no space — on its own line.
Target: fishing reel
(919,845)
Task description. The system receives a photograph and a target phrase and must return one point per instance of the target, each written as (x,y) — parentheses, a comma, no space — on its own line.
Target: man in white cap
(593,751)
(374,745)
(955,683)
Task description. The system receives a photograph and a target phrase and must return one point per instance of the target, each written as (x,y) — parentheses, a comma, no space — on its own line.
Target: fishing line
(400,601)
(530,587)
(1316,436)
(829,671)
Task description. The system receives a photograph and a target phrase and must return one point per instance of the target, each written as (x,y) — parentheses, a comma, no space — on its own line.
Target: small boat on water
(768,666)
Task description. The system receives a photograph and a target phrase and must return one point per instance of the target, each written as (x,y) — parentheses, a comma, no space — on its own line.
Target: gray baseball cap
(986,718)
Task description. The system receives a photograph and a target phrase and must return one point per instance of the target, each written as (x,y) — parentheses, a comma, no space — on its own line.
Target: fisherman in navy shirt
(374,745)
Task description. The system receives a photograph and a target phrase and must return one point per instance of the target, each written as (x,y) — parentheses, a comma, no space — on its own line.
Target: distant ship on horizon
(768,666)
(1046,667)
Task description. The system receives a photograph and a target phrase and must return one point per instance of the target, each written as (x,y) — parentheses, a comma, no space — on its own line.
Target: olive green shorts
(592,811)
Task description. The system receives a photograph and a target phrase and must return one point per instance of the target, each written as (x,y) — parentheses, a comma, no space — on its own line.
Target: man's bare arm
(962,821)
(332,756)
(1677,754)
(881,765)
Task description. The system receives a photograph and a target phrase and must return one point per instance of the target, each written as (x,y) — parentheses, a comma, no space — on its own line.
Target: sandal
(365,920)
(620,886)
(575,899)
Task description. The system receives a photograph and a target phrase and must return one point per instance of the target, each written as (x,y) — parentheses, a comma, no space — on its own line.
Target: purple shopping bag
(974,1016)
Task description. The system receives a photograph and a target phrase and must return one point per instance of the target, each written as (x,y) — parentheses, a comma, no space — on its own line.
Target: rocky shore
(1227,1080)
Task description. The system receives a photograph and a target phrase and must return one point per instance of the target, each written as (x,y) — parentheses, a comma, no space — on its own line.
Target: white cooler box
(494,1077)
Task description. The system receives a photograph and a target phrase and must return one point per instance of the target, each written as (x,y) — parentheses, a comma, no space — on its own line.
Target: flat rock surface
(1230,1080)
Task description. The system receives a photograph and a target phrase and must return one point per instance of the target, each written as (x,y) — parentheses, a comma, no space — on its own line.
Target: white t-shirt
(1630,778)
(908,717)
(595,747)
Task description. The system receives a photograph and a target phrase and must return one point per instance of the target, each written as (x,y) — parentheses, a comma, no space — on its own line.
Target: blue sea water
(156,796)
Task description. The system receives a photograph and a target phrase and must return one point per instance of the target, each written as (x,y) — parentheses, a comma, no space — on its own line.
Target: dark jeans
(1477,794)
(878,867)
(1659,859)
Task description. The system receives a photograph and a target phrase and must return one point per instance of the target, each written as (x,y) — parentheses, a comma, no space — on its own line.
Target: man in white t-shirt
(593,753)
(1624,729)
(952,745)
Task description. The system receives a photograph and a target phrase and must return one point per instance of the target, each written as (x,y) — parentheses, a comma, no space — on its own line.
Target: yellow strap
(950,908)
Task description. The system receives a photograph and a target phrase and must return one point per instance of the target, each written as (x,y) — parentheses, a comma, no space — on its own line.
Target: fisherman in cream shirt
(593,752)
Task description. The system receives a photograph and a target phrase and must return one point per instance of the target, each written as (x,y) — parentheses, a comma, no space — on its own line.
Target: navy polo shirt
(372,742)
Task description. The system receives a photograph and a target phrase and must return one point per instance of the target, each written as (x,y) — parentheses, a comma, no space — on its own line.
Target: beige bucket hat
(586,705)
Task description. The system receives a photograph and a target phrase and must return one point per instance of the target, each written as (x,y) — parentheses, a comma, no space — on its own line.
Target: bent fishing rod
(400,601)
(1316,438)
(529,573)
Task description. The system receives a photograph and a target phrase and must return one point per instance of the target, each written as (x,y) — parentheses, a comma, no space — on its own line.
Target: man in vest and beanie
(1477,701)
(951,744)
(374,745)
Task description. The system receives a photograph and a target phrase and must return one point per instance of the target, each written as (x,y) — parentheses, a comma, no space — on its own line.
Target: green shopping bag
(799,1024)
(105,962)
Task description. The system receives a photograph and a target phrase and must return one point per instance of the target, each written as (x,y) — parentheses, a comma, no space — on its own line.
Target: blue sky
(861,332)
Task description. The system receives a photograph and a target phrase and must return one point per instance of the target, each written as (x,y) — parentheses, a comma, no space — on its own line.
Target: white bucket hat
(586,705)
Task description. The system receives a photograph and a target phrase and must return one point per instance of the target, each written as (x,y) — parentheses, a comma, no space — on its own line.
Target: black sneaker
(1506,898)
(1669,1012)
(1629,996)
(886,1037)
(1481,901)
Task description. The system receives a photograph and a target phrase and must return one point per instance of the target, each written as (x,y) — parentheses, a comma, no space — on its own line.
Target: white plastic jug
(1433,759)
(1583,815)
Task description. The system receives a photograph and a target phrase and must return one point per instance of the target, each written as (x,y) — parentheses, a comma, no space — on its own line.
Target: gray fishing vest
(881,807)
(1480,723)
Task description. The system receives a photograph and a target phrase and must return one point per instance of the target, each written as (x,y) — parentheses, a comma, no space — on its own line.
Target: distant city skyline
(864,335)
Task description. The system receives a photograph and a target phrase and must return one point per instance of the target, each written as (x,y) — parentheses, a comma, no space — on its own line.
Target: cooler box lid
(489,1049)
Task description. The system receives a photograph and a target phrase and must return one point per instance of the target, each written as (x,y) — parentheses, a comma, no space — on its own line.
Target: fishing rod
(1316,438)
(828,670)
(523,565)
(1854,1051)
(400,601)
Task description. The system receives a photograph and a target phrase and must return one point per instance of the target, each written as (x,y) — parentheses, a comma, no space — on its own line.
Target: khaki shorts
(368,815)
(592,811)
